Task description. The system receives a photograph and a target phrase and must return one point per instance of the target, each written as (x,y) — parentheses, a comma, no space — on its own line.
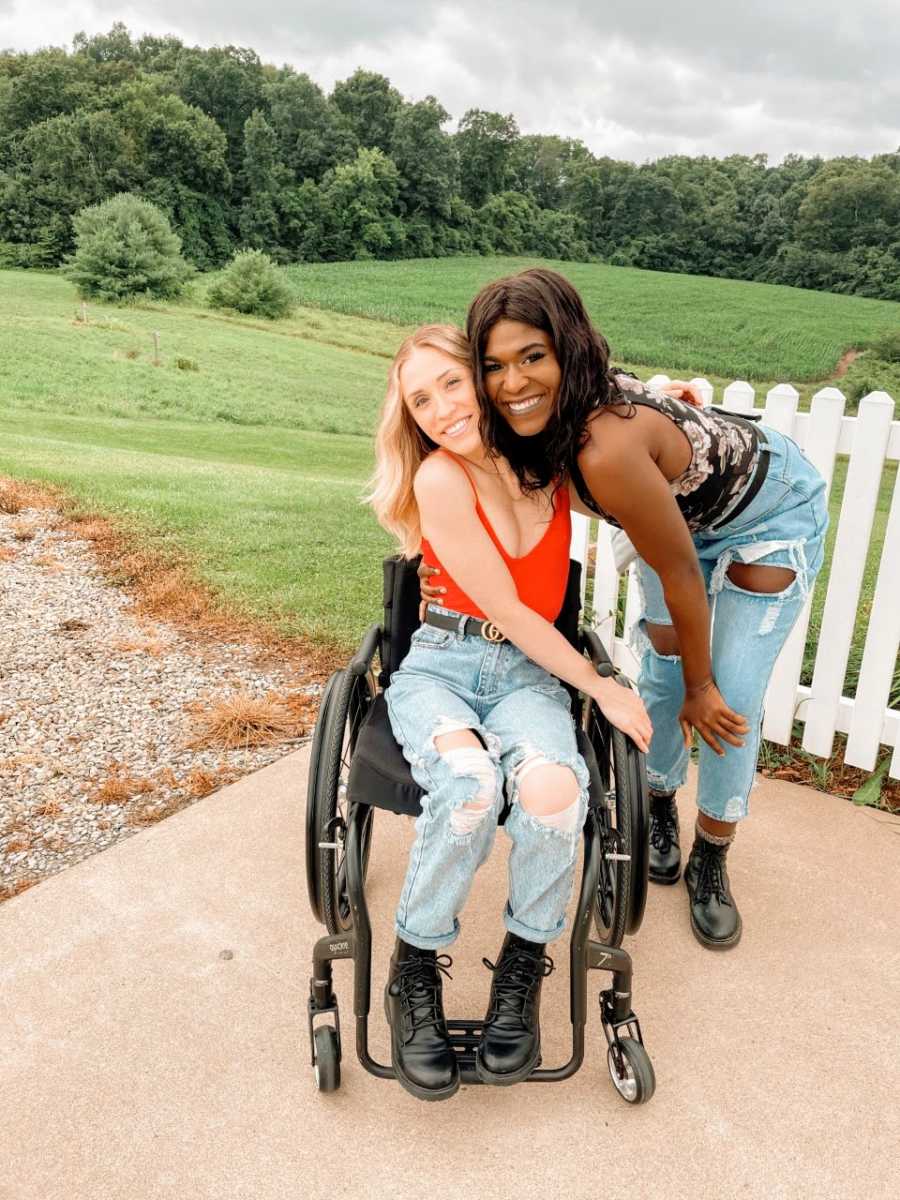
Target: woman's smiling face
(522,375)
(439,393)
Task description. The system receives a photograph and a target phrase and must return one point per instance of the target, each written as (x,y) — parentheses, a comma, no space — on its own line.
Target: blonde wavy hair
(400,445)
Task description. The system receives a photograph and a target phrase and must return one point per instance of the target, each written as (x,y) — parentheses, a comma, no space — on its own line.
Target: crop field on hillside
(698,325)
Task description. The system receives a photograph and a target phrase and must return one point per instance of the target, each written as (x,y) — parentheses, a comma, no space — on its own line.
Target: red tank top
(540,575)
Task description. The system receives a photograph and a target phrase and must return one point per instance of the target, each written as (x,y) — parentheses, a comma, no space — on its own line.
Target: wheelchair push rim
(345,703)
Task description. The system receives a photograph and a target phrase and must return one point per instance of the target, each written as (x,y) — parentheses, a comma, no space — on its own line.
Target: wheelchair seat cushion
(380,775)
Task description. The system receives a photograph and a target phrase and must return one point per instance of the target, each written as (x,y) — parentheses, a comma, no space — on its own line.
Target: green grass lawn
(254,462)
(711,327)
(273,523)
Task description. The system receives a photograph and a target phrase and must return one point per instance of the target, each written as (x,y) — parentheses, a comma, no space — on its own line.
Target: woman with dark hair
(727,518)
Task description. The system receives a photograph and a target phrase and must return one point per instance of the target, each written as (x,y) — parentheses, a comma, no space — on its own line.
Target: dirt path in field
(846,359)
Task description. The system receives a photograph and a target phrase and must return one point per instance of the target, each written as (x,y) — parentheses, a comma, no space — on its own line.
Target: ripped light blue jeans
(450,682)
(784,526)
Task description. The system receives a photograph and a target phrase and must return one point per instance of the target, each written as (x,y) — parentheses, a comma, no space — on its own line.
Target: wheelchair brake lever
(336,822)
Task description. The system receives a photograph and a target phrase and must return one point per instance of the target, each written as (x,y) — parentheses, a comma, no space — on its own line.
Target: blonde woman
(478,713)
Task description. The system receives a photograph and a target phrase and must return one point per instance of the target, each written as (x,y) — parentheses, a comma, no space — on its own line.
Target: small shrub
(870,374)
(887,347)
(187,364)
(125,247)
(251,283)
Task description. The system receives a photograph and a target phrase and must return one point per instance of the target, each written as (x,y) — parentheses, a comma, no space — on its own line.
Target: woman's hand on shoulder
(686,392)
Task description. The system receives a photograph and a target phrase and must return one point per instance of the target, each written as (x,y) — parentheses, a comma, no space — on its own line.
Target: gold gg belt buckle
(491,633)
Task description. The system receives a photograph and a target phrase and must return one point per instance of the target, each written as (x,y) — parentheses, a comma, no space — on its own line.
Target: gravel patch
(97,706)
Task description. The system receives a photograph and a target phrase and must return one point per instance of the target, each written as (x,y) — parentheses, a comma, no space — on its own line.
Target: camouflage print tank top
(726,452)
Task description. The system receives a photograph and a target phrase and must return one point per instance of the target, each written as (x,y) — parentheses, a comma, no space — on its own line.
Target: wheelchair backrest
(401,610)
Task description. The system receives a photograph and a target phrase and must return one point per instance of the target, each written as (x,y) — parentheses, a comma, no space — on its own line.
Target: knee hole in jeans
(548,791)
(466,756)
(765,580)
(663,639)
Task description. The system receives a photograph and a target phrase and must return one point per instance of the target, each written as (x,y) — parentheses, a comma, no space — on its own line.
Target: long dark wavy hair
(547,301)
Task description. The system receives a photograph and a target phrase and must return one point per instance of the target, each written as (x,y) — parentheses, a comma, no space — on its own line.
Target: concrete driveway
(153,1028)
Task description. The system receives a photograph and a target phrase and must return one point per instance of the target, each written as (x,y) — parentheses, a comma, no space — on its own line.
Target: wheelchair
(356,767)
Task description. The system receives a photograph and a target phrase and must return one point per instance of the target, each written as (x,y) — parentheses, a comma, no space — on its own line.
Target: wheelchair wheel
(622,888)
(631,1071)
(328,1059)
(344,705)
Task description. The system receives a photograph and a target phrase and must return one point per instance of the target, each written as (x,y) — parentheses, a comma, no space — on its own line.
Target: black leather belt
(471,627)
(759,475)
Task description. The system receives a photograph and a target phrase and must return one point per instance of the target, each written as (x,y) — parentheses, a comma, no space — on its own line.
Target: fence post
(880,654)
(705,388)
(738,397)
(578,546)
(606,588)
(780,411)
(823,432)
(848,564)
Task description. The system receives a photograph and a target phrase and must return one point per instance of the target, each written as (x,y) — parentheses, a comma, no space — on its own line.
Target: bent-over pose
(725,514)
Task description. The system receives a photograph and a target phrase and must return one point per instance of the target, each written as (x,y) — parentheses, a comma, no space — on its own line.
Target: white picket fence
(869,439)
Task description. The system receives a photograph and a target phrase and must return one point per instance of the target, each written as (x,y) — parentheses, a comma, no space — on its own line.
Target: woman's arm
(619,467)
(461,542)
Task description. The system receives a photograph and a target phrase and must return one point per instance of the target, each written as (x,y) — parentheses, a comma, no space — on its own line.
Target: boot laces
(516,977)
(418,984)
(711,880)
(663,823)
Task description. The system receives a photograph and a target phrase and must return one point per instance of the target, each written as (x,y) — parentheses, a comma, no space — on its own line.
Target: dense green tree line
(241,154)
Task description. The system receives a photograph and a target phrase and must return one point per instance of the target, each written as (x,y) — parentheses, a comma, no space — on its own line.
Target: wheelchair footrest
(464,1037)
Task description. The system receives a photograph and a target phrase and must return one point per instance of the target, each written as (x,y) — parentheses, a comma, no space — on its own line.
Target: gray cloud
(633,78)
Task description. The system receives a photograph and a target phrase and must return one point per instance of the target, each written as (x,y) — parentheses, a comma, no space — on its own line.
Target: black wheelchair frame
(355,765)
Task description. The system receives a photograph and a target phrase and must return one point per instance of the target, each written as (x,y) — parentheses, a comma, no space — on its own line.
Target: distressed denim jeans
(449,682)
(784,526)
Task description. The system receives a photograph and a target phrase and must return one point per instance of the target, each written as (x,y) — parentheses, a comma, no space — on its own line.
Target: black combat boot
(510,1046)
(715,919)
(665,851)
(423,1058)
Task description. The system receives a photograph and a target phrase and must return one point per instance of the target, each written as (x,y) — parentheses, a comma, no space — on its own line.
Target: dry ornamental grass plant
(23,531)
(240,721)
(117,787)
(16,495)
(200,782)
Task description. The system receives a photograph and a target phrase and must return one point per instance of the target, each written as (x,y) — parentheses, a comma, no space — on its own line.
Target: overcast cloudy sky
(634,79)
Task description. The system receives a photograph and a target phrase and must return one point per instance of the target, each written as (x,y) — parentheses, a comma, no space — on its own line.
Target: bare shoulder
(438,476)
(617,432)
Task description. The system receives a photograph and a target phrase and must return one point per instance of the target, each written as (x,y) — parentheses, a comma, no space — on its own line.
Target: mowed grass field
(253,458)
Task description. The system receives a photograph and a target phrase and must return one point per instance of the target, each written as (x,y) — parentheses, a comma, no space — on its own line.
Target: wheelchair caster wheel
(631,1071)
(328,1059)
